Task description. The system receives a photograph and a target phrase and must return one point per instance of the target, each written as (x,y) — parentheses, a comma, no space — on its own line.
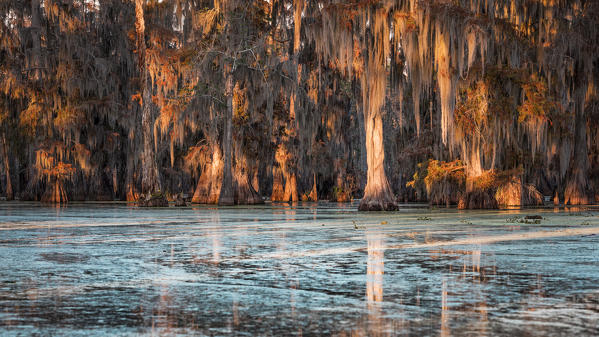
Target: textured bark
(151,187)
(202,191)
(556,199)
(55,192)
(278,189)
(288,155)
(9,190)
(576,191)
(291,188)
(244,191)
(227,196)
(36,51)
(313,195)
(377,194)
(210,182)
(514,193)
(256,180)
(286,162)
(131,190)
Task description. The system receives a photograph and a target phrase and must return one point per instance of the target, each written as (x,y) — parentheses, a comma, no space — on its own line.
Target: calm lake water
(308,270)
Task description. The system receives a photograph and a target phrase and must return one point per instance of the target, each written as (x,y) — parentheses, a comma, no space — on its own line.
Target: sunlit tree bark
(226,191)
(377,194)
(151,187)
(288,159)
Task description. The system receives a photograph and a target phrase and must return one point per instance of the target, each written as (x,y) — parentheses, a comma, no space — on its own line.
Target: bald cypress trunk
(378,195)
(278,191)
(245,192)
(226,192)
(289,156)
(36,52)
(576,192)
(9,190)
(209,185)
(151,188)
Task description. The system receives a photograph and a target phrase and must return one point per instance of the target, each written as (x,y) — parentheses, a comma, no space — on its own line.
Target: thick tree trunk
(36,52)
(202,191)
(209,185)
(286,161)
(576,192)
(278,191)
(245,192)
(378,195)
(9,191)
(514,193)
(226,191)
(131,188)
(313,195)
(151,187)
(290,153)
(55,192)
(150,181)
(256,179)
(291,188)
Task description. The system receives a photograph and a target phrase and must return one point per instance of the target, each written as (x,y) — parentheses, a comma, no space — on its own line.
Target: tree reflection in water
(375,271)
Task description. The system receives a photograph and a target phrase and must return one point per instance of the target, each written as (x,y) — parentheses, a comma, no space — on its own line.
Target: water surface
(313,269)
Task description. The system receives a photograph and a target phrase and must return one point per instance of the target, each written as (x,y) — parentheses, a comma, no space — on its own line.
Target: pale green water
(306,270)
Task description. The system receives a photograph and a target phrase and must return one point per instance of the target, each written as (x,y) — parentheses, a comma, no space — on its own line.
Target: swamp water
(307,270)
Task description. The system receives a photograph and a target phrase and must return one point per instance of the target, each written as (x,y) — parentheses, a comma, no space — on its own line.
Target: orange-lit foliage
(538,103)
(444,181)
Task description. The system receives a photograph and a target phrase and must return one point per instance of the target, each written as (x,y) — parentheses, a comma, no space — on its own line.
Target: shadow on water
(307,270)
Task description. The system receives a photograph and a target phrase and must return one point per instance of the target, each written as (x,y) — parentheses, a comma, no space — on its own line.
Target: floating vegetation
(529,219)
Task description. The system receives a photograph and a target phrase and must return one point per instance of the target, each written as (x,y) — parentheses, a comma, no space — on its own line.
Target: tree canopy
(469,102)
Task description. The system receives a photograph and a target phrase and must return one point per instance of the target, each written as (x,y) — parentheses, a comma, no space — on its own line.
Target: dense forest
(475,103)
